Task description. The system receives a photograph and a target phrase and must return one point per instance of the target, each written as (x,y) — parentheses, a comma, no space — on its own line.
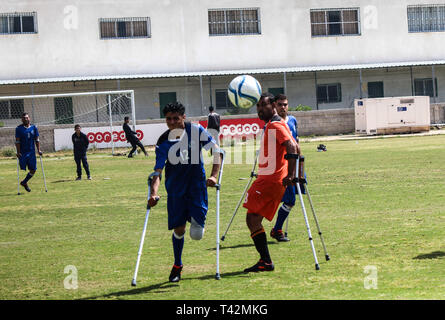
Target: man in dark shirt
(213,125)
(80,146)
(131,137)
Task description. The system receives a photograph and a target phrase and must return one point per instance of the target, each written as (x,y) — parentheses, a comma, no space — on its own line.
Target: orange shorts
(264,197)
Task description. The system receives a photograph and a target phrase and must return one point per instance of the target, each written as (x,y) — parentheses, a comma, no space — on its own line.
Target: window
(15,23)
(335,22)
(234,21)
(329,93)
(426,18)
(119,28)
(120,104)
(375,89)
(424,87)
(11,109)
(222,99)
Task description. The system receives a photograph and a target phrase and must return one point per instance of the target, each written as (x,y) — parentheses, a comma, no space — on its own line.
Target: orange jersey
(265,194)
(271,165)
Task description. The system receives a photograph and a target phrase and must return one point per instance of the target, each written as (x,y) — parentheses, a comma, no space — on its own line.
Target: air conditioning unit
(392,115)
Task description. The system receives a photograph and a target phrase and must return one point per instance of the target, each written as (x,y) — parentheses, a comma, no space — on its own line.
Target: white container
(392,115)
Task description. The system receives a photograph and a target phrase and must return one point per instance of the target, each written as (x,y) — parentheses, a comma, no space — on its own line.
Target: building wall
(68,41)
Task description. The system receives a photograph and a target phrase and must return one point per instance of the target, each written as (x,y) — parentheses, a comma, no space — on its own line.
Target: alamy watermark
(370,281)
(71,281)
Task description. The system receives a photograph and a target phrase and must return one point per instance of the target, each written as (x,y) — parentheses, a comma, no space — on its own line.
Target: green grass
(380,203)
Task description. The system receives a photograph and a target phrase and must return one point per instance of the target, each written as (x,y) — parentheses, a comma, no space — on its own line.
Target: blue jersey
(182,158)
(27,137)
(293,126)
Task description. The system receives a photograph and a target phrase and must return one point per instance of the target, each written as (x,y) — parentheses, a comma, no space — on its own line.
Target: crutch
(252,175)
(18,177)
(43,172)
(297,180)
(218,189)
(141,245)
(304,181)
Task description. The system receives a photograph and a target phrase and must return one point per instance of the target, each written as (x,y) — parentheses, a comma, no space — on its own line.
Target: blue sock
(282,215)
(178,244)
(28,176)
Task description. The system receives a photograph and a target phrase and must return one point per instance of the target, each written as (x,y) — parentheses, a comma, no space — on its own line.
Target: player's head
(211,109)
(127,119)
(77,128)
(25,118)
(282,105)
(174,115)
(266,107)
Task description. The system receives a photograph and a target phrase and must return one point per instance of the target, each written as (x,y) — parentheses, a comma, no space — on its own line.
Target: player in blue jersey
(26,135)
(282,106)
(178,150)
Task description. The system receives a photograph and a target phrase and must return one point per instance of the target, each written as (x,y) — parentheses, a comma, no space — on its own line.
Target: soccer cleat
(279,235)
(175,274)
(261,266)
(25,185)
(78,178)
(89,178)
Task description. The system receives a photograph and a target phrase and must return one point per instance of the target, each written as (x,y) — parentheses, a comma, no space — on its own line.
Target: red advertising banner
(248,127)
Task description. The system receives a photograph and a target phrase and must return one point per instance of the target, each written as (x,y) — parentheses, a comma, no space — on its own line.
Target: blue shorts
(28,160)
(182,208)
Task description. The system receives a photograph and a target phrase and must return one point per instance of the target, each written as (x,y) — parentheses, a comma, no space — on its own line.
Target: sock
(260,241)
(28,176)
(178,244)
(282,215)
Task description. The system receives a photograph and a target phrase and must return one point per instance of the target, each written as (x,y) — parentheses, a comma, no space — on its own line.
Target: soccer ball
(244,91)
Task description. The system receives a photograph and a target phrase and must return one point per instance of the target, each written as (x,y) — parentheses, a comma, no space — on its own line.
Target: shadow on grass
(160,287)
(222,247)
(432,255)
(59,181)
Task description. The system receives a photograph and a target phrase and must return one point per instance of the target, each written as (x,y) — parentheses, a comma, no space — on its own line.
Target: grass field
(380,203)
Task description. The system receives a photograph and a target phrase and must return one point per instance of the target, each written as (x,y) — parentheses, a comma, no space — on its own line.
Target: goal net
(105,109)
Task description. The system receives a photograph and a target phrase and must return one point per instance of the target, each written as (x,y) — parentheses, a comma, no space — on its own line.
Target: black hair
(268,95)
(76,126)
(24,114)
(175,107)
(126,118)
(280,96)
(211,108)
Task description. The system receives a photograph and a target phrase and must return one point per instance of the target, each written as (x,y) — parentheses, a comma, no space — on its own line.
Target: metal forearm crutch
(252,175)
(141,244)
(297,180)
(218,189)
(43,172)
(18,177)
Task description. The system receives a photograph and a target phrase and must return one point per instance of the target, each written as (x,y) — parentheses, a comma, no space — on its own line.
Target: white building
(320,53)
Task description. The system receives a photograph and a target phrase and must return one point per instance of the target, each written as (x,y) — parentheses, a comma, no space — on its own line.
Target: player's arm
(155,183)
(293,151)
(37,141)
(217,158)
(17,147)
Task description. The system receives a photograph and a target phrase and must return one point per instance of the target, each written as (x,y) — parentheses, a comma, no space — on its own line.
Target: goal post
(99,109)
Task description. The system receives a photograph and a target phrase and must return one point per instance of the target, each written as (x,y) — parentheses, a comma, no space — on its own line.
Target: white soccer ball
(244,91)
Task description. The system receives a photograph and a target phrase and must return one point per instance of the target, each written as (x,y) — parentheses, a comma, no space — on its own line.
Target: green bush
(7,152)
(300,107)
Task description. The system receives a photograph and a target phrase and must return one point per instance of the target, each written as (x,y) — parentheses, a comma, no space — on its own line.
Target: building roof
(227,72)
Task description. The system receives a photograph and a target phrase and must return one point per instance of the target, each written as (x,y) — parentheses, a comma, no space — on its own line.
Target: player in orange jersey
(276,171)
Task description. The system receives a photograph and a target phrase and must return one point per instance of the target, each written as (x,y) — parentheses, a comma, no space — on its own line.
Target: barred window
(16,23)
(424,87)
(426,18)
(11,109)
(119,28)
(335,22)
(329,93)
(234,21)
(222,99)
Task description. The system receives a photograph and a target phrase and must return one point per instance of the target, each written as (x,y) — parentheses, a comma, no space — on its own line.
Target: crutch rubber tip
(317,267)
(327,257)
(222,238)
(217,276)
(133,283)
